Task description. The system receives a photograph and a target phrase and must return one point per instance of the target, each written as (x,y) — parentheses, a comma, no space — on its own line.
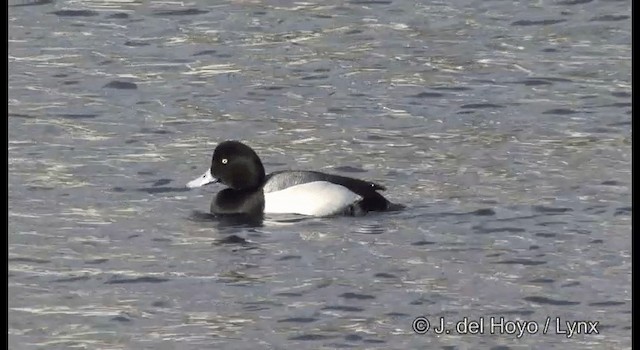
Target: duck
(249,190)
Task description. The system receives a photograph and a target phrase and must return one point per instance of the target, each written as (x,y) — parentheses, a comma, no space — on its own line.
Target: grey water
(504,127)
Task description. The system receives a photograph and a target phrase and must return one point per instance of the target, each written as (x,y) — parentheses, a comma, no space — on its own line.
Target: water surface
(504,127)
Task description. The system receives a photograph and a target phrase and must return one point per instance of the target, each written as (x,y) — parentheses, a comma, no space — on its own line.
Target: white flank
(318,198)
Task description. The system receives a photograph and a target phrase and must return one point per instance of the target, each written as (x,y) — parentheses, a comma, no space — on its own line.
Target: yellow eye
(224,161)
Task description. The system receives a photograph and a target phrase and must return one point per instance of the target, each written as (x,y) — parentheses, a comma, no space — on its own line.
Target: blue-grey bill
(205,179)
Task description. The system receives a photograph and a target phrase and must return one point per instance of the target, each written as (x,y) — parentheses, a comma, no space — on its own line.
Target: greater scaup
(313,193)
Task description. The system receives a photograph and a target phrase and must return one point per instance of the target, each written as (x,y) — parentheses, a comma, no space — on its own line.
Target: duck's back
(281,180)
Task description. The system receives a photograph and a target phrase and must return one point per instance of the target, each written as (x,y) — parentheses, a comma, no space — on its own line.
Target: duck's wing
(284,179)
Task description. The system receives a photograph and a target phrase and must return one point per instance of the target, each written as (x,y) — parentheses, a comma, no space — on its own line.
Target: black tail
(374,202)
(395,206)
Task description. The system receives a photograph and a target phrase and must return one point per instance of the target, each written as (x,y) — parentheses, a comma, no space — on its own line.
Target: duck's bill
(205,179)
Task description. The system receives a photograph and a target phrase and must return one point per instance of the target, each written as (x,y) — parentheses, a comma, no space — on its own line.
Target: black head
(237,166)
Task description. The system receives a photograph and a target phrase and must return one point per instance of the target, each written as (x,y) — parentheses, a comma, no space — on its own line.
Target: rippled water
(505,127)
